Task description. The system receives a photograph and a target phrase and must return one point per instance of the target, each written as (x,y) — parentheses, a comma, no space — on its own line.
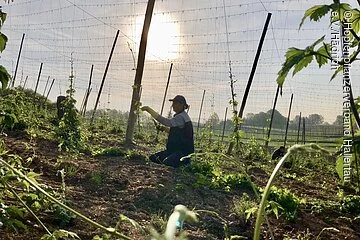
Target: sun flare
(162,42)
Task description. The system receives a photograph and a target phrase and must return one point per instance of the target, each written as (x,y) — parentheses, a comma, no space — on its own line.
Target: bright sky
(191,34)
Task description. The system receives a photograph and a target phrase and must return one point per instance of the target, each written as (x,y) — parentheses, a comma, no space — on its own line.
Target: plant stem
(109,230)
(261,210)
(27,207)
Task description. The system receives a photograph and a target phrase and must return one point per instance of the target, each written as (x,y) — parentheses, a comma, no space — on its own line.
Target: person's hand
(159,127)
(145,108)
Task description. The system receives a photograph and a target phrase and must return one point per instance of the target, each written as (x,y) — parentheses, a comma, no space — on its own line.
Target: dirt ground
(102,188)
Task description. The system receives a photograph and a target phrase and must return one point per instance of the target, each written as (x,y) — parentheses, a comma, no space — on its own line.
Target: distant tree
(315,119)
(249,115)
(294,124)
(279,120)
(259,119)
(338,121)
(262,119)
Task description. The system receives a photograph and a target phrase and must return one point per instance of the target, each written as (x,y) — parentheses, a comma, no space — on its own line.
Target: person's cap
(180,99)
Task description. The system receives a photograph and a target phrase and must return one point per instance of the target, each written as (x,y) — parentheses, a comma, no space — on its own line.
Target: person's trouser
(169,159)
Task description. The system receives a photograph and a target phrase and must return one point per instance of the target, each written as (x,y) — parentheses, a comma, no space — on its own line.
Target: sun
(163,40)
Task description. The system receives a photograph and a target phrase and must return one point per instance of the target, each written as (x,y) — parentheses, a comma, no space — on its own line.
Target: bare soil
(102,188)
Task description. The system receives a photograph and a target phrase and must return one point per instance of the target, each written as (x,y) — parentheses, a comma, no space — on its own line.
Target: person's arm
(177,121)
(157,116)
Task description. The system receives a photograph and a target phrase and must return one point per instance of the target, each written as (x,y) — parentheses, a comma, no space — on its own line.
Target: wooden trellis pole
(86,100)
(87,93)
(224,126)
(104,77)
(139,72)
(298,133)
(303,133)
(18,59)
(252,73)
(47,82)
(37,82)
(272,116)
(163,103)
(51,85)
(288,119)
(166,89)
(201,106)
(26,78)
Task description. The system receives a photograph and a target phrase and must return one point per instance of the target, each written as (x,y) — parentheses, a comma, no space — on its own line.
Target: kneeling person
(180,142)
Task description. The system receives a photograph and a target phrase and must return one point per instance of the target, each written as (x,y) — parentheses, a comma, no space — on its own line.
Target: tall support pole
(252,73)
(288,119)
(51,85)
(47,82)
(298,133)
(303,133)
(18,59)
(166,89)
(137,114)
(201,106)
(355,154)
(26,78)
(272,117)
(139,72)
(104,76)
(87,93)
(86,100)
(224,126)
(37,82)
(163,103)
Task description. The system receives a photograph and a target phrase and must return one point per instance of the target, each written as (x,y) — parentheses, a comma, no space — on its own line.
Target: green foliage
(109,120)
(206,140)
(355,21)
(97,178)
(69,132)
(350,204)
(18,112)
(60,234)
(208,174)
(283,203)
(12,217)
(340,167)
(112,151)
(135,155)
(103,237)
(61,216)
(3,40)
(316,12)
(252,150)
(245,207)
(12,213)
(300,58)
(4,75)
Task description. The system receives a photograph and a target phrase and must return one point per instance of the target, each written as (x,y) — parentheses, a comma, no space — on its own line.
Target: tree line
(262,119)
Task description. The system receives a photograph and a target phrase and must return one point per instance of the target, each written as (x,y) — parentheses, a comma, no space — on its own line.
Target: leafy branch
(300,58)
(37,187)
(4,75)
